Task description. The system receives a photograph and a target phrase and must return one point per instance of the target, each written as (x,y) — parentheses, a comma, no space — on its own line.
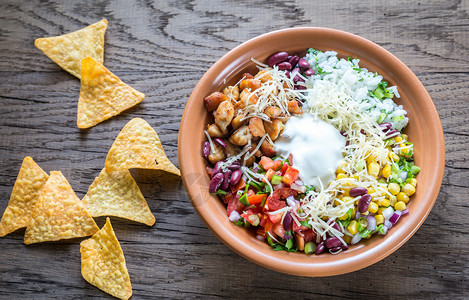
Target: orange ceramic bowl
(424,130)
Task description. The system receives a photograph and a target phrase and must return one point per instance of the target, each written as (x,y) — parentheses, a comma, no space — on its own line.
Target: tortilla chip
(138,146)
(117,194)
(58,213)
(103,263)
(24,196)
(68,50)
(102,95)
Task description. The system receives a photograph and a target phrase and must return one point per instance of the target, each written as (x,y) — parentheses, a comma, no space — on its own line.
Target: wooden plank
(162,49)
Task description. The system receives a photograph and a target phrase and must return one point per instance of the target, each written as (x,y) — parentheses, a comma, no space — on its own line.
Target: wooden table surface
(162,49)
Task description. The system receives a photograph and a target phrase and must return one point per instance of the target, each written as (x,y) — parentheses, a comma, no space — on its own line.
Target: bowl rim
(285,263)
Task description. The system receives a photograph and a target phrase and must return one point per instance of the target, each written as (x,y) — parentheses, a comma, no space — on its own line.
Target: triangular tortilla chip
(102,95)
(103,263)
(117,194)
(25,193)
(70,49)
(58,213)
(138,146)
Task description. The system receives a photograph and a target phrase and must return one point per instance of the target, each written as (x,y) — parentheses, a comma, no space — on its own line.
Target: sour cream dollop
(316,147)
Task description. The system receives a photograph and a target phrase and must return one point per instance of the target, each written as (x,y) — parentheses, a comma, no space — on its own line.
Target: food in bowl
(309,152)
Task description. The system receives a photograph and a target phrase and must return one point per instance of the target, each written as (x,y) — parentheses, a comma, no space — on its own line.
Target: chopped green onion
(289,244)
(362,223)
(379,94)
(364,233)
(276,179)
(219,193)
(258,187)
(244,200)
(414,170)
(305,223)
(310,247)
(381,118)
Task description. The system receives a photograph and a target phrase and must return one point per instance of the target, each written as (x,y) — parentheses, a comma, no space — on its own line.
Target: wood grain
(162,48)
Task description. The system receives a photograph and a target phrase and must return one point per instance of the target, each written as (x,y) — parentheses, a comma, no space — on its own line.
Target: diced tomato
(234,204)
(256,199)
(277,164)
(291,175)
(275,218)
(226,198)
(251,217)
(250,193)
(266,163)
(295,227)
(290,159)
(260,231)
(284,169)
(240,185)
(310,235)
(268,226)
(269,174)
(273,204)
(264,220)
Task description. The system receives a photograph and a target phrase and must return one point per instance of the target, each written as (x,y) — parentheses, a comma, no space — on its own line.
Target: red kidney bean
(206,149)
(220,142)
(287,221)
(335,249)
(332,242)
(320,248)
(216,182)
(391,133)
(234,166)
(303,63)
(344,247)
(226,180)
(277,58)
(300,104)
(216,168)
(336,226)
(284,66)
(357,191)
(363,203)
(293,60)
(287,73)
(309,72)
(300,87)
(236,176)
(385,126)
(295,71)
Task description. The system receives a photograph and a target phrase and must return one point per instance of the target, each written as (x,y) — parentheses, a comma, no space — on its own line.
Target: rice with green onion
(366,88)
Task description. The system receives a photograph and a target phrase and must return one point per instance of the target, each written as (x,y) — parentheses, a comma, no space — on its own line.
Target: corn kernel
(379,219)
(344,217)
(408,189)
(413,182)
(385,203)
(347,199)
(341,166)
(380,210)
(405,136)
(387,171)
(371,190)
(403,197)
(347,239)
(392,200)
(393,156)
(400,206)
(398,139)
(355,176)
(373,169)
(373,207)
(353,227)
(341,176)
(394,188)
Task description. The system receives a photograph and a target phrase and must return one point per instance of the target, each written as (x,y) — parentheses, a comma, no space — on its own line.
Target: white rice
(356,82)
